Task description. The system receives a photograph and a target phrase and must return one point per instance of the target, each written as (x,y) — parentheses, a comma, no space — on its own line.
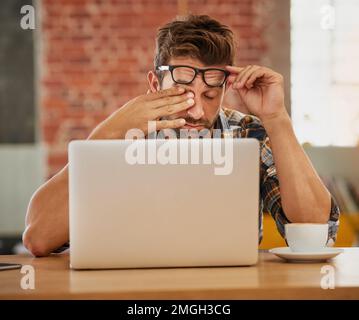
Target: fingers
(173,91)
(253,77)
(231,79)
(174,108)
(237,74)
(170,124)
(245,77)
(234,69)
(170,100)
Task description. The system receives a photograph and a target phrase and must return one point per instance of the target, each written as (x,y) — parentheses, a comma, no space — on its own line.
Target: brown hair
(196,36)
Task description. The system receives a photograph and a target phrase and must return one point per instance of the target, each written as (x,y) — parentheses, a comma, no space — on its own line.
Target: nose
(196,112)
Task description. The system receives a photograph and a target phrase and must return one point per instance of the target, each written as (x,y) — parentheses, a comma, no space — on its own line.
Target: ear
(226,86)
(153,82)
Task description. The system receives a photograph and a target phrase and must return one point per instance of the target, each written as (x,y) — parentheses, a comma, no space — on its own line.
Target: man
(193,70)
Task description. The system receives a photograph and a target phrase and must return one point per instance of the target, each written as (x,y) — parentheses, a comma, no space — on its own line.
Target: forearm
(47,226)
(47,218)
(303,195)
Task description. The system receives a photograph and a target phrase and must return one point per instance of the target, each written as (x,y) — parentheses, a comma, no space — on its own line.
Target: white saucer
(322,255)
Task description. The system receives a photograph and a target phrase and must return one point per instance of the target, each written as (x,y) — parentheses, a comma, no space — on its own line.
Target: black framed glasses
(181,74)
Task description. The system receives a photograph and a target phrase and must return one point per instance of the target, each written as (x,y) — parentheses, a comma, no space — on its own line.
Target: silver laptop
(163,203)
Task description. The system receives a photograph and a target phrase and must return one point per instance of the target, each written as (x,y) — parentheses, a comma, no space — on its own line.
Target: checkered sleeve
(270,194)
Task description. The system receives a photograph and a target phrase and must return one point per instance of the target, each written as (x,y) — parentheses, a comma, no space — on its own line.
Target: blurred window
(325,71)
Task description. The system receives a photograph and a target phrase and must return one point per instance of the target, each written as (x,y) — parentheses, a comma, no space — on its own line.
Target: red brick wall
(95,55)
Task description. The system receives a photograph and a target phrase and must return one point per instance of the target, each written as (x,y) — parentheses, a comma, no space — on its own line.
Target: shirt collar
(221,122)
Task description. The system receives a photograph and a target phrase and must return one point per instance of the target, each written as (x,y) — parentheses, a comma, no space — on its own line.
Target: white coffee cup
(306,237)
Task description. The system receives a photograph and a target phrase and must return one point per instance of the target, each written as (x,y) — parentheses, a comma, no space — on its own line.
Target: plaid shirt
(246,126)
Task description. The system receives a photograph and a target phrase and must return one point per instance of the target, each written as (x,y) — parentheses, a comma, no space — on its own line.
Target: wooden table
(271,278)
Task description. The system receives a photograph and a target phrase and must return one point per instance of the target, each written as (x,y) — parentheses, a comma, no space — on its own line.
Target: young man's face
(207,100)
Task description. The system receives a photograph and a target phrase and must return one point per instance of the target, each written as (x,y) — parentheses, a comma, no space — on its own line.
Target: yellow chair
(272,238)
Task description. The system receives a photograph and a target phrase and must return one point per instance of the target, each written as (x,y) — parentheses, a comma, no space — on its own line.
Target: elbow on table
(34,243)
(32,238)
